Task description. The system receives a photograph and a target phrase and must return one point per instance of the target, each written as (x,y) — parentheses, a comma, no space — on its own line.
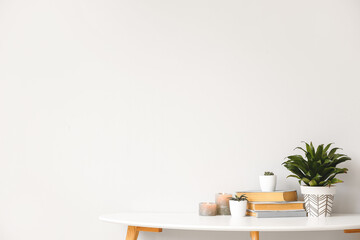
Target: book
(276,214)
(276,206)
(277,196)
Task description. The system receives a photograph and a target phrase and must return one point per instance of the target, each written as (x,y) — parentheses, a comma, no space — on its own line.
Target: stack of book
(274,204)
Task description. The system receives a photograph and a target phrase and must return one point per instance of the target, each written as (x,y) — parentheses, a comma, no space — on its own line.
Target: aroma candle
(222,203)
(207,209)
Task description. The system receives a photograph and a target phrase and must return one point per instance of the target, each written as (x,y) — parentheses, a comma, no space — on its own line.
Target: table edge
(230,228)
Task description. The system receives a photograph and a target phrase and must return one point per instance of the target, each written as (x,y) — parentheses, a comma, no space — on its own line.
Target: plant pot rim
(331,186)
(267,176)
(318,190)
(238,201)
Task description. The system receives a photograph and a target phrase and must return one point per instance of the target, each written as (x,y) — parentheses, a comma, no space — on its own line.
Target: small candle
(207,209)
(222,203)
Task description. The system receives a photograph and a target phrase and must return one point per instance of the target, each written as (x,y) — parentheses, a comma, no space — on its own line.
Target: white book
(277,214)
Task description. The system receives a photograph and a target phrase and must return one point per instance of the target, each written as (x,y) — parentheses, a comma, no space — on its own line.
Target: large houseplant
(318,171)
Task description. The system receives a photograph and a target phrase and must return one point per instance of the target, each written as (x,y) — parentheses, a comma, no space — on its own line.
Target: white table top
(191,221)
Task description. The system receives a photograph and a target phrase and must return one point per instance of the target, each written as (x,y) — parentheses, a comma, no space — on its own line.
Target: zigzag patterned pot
(318,200)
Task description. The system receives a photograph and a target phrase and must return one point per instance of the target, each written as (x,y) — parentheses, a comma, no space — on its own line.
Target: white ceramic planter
(318,200)
(238,208)
(268,183)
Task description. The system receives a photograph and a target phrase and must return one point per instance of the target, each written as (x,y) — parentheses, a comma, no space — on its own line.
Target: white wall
(157,105)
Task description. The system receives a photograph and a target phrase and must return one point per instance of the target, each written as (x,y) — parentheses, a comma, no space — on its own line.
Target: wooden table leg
(254,235)
(352,231)
(133,232)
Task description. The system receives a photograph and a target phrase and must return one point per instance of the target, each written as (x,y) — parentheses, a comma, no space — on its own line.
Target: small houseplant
(318,172)
(238,205)
(268,182)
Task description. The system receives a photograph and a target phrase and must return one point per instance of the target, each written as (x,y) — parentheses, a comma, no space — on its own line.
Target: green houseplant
(242,197)
(318,171)
(238,205)
(268,182)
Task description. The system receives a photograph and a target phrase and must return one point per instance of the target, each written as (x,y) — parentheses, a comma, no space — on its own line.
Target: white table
(155,222)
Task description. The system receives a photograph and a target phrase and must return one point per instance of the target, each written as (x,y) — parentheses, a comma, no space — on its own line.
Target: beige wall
(156,105)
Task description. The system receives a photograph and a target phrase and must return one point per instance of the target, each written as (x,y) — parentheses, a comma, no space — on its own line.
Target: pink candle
(222,202)
(207,209)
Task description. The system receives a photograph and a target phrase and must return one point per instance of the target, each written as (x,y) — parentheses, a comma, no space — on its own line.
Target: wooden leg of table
(133,232)
(254,235)
(352,231)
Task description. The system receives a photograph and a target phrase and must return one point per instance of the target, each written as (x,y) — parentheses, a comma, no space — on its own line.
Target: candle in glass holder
(222,203)
(207,209)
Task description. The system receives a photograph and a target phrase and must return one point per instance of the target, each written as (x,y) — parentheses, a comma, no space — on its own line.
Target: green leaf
(312,149)
(317,177)
(335,180)
(298,161)
(294,169)
(305,180)
(294,176)
(300,148)
(309,150)
(332,152)
(327,147)
(313,183)
(338,161)
(319,152)
(323,183)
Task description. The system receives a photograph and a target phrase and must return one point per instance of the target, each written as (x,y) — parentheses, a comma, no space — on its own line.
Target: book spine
(270,196)
(276,214)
